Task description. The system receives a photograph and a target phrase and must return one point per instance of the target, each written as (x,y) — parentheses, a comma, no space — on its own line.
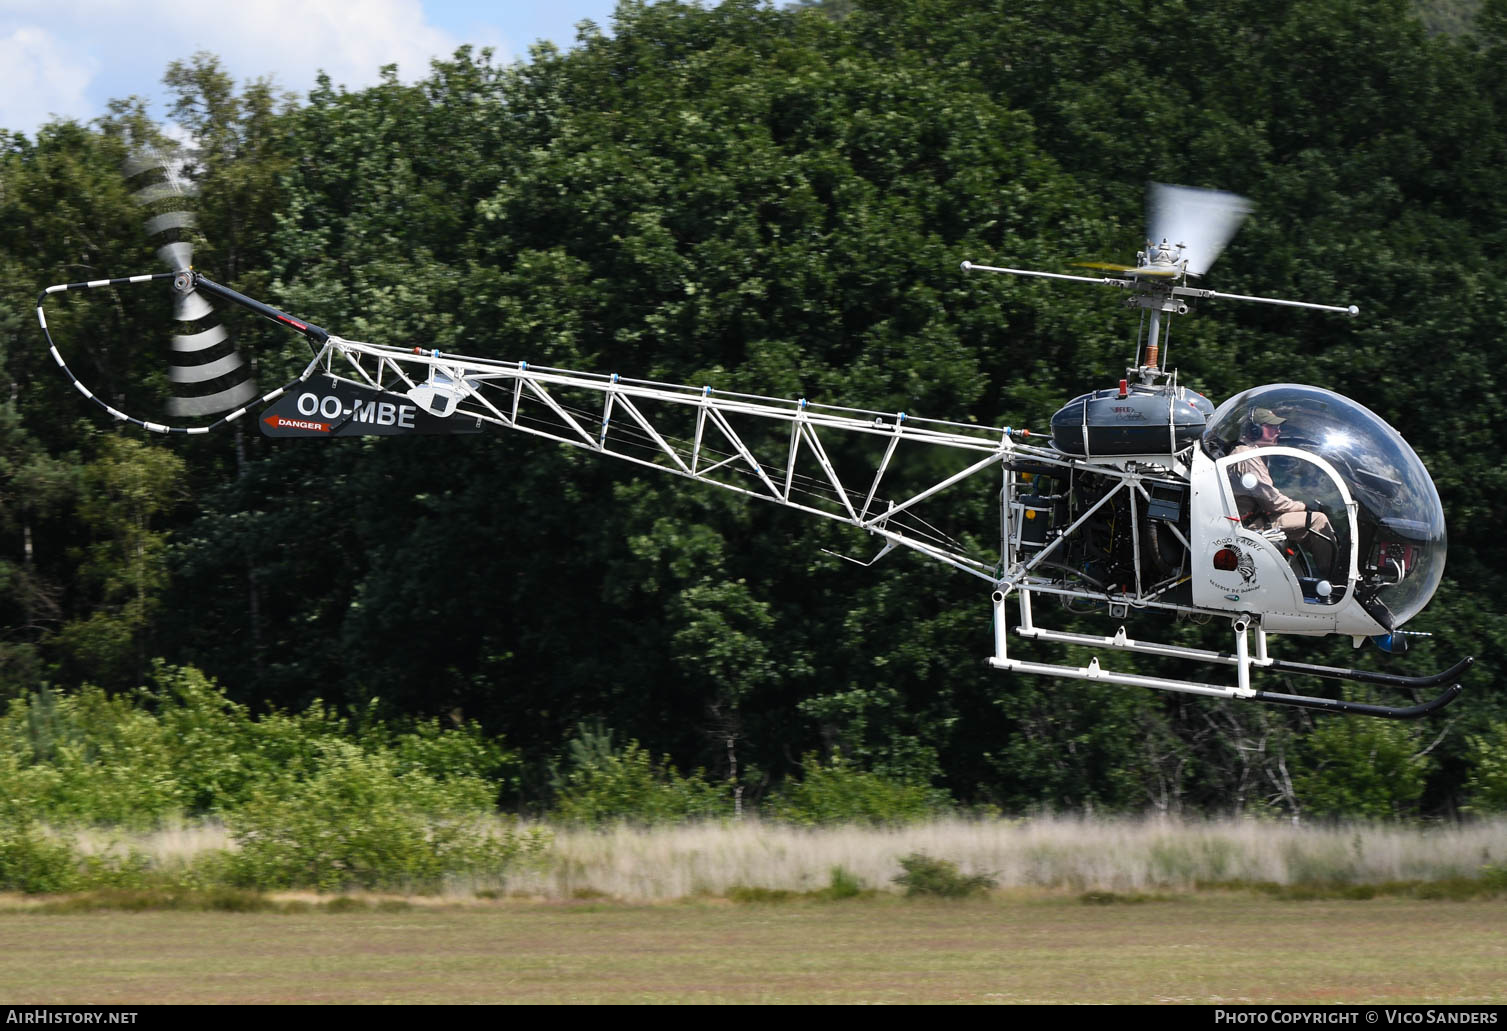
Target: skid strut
(1242,659)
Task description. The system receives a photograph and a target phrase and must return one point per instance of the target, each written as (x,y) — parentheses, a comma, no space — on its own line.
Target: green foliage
(32,861)
(766,199)
(602,785)
(844,884)
(87,758)
(1112,898)
(158,897)
(128,488)
(1361,769)
(309,803)
(923,875)
(357,820)
(184,749)
(1486,789)
(1456,888)
(839,792)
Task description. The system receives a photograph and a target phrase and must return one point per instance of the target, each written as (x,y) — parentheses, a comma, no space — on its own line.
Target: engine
(1123,544)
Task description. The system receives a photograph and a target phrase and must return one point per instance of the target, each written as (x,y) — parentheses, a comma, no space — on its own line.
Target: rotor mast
(1187,228)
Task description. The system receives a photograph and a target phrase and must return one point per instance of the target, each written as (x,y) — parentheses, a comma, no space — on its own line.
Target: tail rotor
(209,376)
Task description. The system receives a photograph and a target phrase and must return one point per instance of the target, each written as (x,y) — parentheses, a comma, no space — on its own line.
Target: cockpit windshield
(1399,520)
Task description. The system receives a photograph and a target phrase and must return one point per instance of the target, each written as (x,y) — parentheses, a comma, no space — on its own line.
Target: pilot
(1264,507)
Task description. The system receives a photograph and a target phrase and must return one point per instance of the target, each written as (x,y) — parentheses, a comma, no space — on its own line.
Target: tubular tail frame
(490,391)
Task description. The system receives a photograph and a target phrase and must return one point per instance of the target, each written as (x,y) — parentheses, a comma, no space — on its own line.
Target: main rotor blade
(1109,265)
(1203,221)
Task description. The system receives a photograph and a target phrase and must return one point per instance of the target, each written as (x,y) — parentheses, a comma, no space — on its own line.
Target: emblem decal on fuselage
(1233,557)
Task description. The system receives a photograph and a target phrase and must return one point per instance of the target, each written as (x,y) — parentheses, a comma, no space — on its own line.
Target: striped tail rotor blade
(207,373)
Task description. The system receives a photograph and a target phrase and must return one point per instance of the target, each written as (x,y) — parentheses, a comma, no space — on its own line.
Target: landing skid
(1242,659)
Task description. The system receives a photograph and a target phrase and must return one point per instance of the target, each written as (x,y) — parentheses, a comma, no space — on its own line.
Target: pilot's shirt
(1263,500)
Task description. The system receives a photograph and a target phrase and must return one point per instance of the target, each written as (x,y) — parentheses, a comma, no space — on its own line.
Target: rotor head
(1188,227)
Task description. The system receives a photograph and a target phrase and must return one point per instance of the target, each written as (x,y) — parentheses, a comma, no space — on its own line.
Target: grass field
(1114,911)
(1013,947)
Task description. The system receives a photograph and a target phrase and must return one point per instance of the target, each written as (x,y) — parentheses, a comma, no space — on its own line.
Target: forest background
(773,200)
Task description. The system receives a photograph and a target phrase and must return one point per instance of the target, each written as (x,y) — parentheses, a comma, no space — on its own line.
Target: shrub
(840,792)
(220,753)
(843,884)
(182,748)
(924,875)
(33,862)
(1487,786)
(450,752)
(1361,769)
(359,822)
(87,758)
(604,785)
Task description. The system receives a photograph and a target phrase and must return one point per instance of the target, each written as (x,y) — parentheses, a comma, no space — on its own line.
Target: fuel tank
(1131,420)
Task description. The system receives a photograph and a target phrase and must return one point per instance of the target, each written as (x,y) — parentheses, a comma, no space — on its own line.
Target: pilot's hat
(1266,417)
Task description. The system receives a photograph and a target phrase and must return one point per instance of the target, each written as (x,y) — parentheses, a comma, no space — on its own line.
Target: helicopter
(1286,510)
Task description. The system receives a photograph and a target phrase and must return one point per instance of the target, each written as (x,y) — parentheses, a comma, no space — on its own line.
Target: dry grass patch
(1070,855)
(1073,856)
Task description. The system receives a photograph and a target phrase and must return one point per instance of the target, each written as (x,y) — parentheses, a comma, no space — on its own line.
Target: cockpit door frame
(1227,494)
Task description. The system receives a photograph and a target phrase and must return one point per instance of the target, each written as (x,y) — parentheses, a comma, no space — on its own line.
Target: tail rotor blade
(176,256)
(207,373)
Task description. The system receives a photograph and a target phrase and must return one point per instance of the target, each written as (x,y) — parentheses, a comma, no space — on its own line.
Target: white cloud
(71,58)
(41,78)
(294,39)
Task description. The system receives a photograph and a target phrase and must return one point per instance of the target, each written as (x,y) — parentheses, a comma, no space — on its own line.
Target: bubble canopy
(1399,520)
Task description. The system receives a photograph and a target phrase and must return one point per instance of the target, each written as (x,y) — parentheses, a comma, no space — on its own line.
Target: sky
(68,60)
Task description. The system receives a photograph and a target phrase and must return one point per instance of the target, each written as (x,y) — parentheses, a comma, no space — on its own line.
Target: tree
(1356,769)
(123,492)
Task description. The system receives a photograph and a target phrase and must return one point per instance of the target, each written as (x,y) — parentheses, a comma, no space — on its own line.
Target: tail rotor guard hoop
(183,281)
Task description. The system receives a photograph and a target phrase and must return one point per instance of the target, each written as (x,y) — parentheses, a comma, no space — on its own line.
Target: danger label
(278,422)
